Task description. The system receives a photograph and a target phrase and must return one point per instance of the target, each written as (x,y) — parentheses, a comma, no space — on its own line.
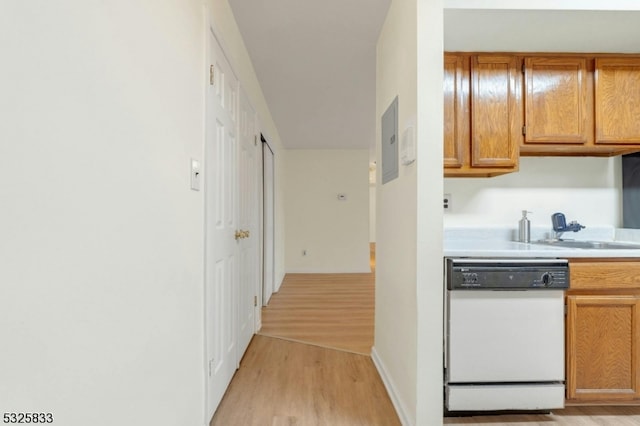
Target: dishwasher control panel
(505,274)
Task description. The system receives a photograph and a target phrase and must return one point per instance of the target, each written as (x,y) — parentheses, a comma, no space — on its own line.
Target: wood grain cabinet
(581,105)
(617,94)
(603,333)
(482,114)
(500,106)
(456,110)
(558,101)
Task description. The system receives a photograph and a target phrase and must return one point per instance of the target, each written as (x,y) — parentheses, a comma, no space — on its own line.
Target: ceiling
(315,61)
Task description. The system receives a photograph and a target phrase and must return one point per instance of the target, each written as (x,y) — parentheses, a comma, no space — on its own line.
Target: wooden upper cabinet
(496,111)
(558,101)
(456,109)
(617,99)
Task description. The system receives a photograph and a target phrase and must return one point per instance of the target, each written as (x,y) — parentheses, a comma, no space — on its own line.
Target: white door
(248,221)
(221,247)
(268,223)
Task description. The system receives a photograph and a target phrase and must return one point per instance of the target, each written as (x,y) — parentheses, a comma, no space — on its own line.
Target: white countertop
(498,248)
(498,242)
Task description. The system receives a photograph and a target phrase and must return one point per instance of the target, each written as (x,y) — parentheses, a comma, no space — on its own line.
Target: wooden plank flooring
(282,382)
(570,416)
(287,383)
(329,310)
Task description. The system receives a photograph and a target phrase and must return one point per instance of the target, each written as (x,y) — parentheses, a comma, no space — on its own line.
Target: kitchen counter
(501,248)
(499,242)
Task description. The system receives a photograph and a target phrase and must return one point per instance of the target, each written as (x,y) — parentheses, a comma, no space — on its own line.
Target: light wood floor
(288,383)
(573,416)
(282,382)
(329,310)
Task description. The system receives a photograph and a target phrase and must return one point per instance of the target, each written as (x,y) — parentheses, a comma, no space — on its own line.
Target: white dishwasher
(504,334)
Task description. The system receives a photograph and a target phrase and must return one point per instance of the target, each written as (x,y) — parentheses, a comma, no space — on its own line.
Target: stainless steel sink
(604,245)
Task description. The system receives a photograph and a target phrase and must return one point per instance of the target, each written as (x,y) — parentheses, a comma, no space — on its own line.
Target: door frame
(268,221)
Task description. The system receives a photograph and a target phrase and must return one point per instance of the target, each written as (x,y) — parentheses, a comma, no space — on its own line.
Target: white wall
(101,295)
(334,233)
(586,189)
(395,344)
(228,33)
(429,213)
(101,311)
(372,213)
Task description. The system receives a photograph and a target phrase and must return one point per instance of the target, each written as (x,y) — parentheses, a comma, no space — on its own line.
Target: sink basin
(604,245)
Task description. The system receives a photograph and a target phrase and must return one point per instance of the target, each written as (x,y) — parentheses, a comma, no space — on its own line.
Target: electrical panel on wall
(389,150)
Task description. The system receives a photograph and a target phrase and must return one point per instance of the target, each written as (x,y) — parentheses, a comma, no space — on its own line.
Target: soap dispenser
(524,228)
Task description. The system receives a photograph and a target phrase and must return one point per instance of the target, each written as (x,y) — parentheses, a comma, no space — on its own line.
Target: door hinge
(524,130)
(255,301)
(255,140)
(211,75)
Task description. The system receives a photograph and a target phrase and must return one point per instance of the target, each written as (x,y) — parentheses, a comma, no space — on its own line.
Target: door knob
(241,234)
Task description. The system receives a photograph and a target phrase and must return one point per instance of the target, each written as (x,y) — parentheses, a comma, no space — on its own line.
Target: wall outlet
(447,202)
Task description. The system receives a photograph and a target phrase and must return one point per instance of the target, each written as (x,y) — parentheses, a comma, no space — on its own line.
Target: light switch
(195,175)
(408,146)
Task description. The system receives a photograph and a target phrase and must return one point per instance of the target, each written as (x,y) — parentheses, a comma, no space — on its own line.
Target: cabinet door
(557,101)
(617,99)
(603,348)
(456,109)
(496,111)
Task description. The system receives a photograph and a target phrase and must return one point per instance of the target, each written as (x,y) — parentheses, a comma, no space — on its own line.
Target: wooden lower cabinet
(603,342)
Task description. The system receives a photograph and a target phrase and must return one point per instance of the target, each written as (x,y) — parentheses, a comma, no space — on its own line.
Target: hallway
(288,383)
(329,310)
(310,363)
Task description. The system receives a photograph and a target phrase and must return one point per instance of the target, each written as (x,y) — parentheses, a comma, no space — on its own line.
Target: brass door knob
(241,234)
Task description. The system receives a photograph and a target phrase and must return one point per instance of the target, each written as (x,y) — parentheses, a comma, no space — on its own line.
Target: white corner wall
(395,346)
(586,189)
(429,213)
(334,233)
(101,288)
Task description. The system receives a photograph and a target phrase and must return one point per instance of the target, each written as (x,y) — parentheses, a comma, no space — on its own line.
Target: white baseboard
(401,409)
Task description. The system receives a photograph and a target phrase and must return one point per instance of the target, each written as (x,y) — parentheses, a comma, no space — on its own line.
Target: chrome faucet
(560,226)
